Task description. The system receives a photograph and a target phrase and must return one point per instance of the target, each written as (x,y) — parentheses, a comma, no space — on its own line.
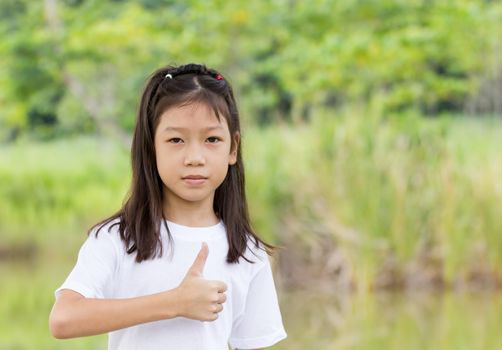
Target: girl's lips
(194,180)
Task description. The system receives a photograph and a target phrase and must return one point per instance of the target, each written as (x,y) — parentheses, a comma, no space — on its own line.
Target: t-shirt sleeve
(260,325)
(96,263)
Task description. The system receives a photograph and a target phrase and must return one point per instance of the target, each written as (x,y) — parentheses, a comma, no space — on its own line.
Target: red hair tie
(219,77)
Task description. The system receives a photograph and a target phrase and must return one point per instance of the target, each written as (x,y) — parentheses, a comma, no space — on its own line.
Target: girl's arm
(73,315)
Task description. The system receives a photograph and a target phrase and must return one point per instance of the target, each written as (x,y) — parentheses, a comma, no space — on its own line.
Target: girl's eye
(175,140)
(213,139)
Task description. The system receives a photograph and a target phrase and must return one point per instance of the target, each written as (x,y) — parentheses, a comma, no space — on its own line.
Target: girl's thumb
(200,260)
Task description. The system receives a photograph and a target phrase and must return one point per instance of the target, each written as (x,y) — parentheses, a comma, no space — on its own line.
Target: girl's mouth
(194,179)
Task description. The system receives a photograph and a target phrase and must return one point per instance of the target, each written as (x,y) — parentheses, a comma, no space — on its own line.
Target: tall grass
(375,201)
(407,201)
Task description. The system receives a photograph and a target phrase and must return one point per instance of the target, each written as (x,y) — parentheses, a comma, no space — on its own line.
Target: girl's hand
(200,299)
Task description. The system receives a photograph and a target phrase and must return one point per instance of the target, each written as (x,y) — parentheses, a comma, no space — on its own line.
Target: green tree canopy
(79,65)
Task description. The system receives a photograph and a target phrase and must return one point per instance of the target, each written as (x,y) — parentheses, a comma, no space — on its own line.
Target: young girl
(178,266)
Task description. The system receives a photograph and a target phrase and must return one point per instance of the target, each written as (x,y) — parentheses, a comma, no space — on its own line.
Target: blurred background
(372,137)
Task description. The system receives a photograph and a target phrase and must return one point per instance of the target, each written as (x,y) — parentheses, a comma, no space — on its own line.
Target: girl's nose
(194,157)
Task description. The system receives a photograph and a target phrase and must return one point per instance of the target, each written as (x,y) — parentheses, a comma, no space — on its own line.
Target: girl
(215,287)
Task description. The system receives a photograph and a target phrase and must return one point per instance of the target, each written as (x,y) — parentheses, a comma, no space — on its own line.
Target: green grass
(48,189)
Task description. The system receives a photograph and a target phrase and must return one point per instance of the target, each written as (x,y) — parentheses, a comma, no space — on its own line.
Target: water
(427,321)
(446,321)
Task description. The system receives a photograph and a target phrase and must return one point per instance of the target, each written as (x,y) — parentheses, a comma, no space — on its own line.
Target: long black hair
(139,220)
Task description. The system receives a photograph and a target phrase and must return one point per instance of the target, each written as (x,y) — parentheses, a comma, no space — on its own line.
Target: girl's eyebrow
(209,128)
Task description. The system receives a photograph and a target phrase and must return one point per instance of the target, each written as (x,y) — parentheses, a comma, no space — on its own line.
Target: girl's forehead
(194,115)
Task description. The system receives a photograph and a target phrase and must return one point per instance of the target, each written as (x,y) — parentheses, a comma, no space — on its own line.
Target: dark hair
(141,215)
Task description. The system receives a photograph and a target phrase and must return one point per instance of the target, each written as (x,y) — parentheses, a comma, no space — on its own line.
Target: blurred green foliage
(73,66)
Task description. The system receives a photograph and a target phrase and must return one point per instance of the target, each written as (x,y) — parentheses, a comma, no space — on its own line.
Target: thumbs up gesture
(200,299)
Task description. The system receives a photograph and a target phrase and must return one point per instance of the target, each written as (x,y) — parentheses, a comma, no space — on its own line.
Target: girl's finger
(222,298)
(221,286)
(218,308)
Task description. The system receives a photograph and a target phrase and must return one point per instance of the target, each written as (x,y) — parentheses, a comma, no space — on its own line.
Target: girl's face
(193,151)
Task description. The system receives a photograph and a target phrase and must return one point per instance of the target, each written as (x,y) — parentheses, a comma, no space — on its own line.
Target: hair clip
(168,76)
(219,77)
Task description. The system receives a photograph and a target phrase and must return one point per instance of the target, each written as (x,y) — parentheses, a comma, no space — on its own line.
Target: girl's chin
(195,198)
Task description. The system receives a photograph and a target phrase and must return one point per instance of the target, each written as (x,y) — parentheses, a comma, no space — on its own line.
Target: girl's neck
(194,216)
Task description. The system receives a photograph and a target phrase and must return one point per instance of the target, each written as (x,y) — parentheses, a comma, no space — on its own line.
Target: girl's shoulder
(256,251)
(106,233)
(110,226)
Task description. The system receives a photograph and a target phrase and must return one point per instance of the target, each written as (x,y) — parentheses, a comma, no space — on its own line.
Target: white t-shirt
(250,317)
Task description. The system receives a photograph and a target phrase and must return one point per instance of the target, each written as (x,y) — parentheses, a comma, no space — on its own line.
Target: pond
(447,321)
(428,321)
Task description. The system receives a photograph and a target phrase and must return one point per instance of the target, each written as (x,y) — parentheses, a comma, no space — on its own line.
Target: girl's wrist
(173,298)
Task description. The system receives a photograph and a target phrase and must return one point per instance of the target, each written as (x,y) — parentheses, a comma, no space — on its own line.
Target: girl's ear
(233,150)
